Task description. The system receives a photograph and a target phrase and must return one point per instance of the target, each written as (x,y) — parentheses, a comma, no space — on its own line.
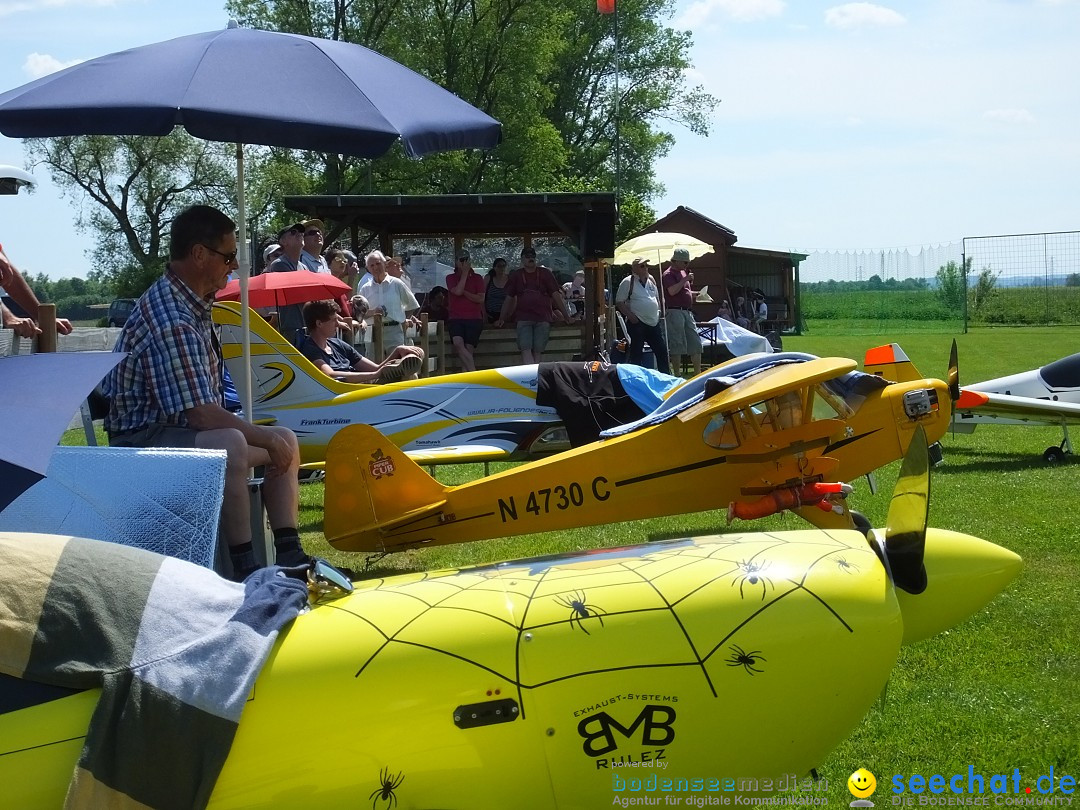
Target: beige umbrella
(657,247)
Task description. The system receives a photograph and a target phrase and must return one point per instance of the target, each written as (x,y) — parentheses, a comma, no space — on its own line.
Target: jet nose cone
(963,574)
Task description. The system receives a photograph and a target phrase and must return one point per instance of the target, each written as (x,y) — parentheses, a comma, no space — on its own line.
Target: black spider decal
(746,660)
(845,566)
(387,785)
(752,573)
(580,609)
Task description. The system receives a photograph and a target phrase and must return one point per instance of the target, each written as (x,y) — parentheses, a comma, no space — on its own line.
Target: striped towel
(174,648)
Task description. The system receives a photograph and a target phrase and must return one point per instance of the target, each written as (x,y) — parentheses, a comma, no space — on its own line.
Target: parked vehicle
(119,310)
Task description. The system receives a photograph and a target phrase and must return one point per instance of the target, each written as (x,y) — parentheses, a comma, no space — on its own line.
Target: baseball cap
(269,249)
(298,227)
(680,255)
(638,262)
(314,223)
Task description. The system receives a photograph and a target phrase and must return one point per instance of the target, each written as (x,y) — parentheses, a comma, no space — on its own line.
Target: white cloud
(42,64)
(862,15)
(701,11)
(1009,116)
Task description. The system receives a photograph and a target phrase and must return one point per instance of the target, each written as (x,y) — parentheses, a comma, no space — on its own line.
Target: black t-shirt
(341,357)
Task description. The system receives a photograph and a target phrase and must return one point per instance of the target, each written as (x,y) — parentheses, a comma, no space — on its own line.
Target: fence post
(425,344)
(46,320)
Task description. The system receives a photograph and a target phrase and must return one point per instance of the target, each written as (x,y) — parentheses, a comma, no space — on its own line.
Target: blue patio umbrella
(247,86)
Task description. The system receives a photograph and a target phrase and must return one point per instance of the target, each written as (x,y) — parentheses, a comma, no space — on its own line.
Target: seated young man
(336,358)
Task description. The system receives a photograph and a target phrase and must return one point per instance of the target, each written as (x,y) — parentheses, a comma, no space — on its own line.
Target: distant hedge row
(1020,306)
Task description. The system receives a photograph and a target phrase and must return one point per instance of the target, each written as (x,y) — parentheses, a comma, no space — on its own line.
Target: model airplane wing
(1008,406)
(768,384)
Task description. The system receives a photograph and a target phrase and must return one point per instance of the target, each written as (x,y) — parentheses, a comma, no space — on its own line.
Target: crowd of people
(528,298)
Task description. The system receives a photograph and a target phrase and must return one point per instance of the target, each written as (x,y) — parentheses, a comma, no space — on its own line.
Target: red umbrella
(279,289)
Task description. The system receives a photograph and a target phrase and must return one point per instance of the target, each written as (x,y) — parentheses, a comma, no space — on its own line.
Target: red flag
(605,6)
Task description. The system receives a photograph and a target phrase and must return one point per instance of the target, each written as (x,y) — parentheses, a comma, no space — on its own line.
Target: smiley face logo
(862,784)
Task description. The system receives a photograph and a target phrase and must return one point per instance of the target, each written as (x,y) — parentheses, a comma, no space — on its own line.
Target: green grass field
(1000,692)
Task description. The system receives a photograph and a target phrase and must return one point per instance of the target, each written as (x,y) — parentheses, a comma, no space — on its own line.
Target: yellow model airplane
(1044,397)
(754,435)
(561,682)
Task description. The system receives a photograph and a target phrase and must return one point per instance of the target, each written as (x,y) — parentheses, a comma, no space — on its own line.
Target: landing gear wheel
(1054,455)
(861,522)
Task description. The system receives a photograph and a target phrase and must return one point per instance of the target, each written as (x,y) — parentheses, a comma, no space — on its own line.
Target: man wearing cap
(290,316)
(682,334)
(466,310)
(392,298)
(270,254)
(638,299)
(311,255)
(531,293)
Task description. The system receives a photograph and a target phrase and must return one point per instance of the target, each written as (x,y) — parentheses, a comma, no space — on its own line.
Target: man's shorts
(393,335)
(157,435)
(468,331)
(682,333)
(532,336)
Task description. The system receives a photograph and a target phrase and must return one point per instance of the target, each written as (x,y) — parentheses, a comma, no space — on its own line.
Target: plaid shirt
(173,363)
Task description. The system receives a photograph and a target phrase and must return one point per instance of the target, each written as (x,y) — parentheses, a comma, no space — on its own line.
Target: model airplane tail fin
(369,478)
(890,362)
(280,375)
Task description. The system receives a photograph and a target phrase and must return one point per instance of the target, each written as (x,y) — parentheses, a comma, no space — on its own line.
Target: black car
(119,310)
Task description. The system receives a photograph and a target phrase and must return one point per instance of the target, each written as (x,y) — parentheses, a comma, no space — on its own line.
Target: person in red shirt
(466,320)
(531,293)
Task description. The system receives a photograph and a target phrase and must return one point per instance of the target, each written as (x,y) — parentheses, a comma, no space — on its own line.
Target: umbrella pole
(244,271)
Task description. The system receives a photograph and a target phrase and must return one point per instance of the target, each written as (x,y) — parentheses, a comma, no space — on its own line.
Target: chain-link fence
(1019,279)
(1023,279)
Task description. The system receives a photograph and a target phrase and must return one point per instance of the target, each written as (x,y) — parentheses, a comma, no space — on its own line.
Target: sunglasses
(313,233)
(228,257)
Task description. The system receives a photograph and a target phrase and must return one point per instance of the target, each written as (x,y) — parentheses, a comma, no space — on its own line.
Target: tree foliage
(134,186)
(544,68)
(952,284)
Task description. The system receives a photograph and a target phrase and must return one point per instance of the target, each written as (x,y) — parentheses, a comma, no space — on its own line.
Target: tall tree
(136,185)
(544,68)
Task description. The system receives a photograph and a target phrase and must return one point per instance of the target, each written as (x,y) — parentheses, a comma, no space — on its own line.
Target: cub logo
(381,464)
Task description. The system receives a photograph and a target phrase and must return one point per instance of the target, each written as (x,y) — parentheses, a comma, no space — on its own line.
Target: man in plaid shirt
(167,392)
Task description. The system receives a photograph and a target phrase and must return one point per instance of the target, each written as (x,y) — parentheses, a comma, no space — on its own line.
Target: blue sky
(842,126)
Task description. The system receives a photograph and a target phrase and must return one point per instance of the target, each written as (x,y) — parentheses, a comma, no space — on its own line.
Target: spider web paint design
(700,593)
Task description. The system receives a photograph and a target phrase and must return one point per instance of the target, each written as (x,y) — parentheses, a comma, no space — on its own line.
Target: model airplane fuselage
(560,682)
(478,416)
(740,432)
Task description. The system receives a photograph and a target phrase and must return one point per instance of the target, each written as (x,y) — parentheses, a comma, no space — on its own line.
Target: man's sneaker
(410,365)
(390,373)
